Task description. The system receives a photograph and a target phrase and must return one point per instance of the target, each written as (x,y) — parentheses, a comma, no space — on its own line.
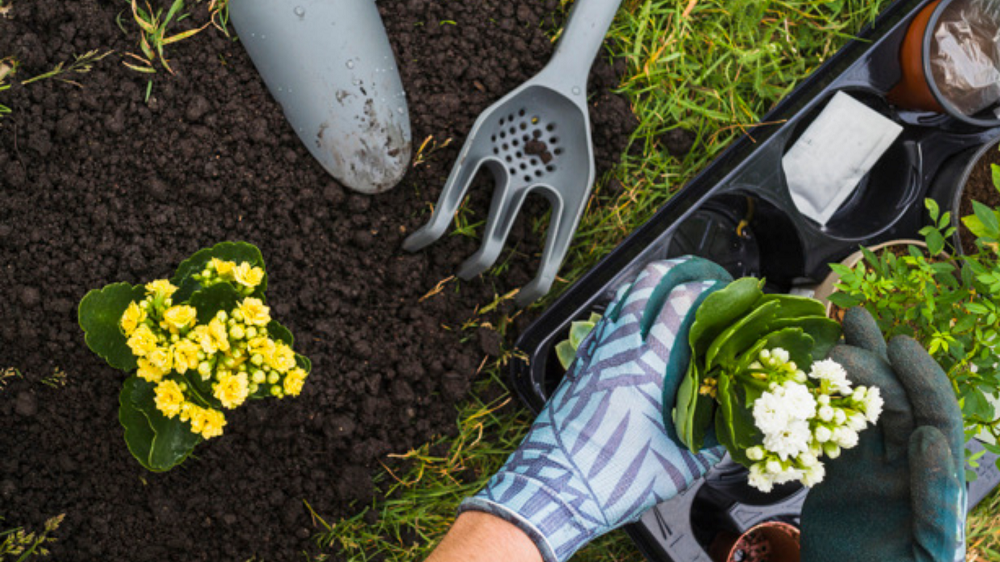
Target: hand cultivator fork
(534,140)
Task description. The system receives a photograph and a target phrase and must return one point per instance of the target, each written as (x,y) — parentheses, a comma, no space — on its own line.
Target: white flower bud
(773,466)
(859,394)
(823,399)
(765,354)
(808,460)
(826,413)
(823,434)
(839,416)
(845,437)
(857,421)
(813,475)
(831,450)
(755,453)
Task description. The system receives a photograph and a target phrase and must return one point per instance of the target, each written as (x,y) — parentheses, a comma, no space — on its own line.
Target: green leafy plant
(566,349)
(947,303)
(200,342)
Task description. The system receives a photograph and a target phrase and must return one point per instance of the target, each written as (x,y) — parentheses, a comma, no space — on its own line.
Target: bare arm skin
(481,537)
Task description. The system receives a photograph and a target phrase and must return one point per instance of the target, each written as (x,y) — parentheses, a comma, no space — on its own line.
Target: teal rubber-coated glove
(900,494)
(599,454)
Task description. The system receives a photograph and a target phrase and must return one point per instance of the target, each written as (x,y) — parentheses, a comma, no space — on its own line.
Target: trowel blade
(330,66)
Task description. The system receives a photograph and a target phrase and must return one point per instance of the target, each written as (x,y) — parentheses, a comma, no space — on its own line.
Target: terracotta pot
(917,88)
(772,542)
(826,288)
(914,91)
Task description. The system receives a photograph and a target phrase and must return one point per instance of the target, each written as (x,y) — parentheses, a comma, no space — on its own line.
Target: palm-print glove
(600,453)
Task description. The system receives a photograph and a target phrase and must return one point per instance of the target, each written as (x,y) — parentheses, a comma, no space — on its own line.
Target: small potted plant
(949,305)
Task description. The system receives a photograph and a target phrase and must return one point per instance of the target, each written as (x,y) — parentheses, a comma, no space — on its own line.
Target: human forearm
(481,537)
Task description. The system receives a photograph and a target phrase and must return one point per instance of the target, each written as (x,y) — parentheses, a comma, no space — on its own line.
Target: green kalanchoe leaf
(100,313)
(578,331)
(157,442)
(794,307)
(734,424)
(211,300)
(566,353)
(229,251)
(824,332)
(685,404)
(740,335)
(139,434)
(280,333)
(719,310)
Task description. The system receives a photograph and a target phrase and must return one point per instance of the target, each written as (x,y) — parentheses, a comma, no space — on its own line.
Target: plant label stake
(534,140)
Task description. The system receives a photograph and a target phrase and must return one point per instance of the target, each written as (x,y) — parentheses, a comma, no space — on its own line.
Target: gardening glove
(900,494)
(600,454)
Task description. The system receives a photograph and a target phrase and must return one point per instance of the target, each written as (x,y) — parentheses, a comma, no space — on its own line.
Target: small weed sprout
(20,545)
(155,26)
(56,380)
(8,68)
(81,65)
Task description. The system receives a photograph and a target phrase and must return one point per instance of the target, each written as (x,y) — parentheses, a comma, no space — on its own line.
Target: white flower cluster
(805,417)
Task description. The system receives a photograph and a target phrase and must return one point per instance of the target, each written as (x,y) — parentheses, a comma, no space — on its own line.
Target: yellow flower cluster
(233,354)
(244,276)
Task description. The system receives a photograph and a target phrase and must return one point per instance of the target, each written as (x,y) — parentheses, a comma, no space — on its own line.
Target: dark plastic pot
(948,187)
(917,88)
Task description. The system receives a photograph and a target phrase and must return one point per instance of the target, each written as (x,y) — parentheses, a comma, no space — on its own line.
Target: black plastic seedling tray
(746,183)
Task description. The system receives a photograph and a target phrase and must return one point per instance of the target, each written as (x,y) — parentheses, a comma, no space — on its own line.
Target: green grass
(983,531)
(709,67)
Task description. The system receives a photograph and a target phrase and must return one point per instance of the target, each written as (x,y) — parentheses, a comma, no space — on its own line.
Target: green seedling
(155,33)
(81,64)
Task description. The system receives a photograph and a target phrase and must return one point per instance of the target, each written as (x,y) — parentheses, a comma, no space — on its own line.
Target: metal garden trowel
(330,66)
(536,139)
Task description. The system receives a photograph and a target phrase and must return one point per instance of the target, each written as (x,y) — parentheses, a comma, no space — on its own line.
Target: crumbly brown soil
(99,186)
(979,188)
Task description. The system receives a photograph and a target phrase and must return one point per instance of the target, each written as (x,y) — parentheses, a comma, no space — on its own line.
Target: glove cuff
(551,523)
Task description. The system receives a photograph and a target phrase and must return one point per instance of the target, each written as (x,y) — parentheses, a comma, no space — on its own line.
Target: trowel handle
(581,39)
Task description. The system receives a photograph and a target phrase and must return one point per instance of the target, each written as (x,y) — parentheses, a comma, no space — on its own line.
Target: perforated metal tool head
(534,140)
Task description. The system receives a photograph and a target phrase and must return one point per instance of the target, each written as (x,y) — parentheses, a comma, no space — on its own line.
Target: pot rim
(955,204)
(826,287)
(925,54)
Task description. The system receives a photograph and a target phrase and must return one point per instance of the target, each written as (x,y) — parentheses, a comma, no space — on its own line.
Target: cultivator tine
(448,202)
(503,210)
(565,218)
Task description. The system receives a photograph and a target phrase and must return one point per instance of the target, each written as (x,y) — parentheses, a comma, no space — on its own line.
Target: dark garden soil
(980,188)
(98,186)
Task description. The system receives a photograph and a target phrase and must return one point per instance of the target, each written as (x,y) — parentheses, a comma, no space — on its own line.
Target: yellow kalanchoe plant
(200,343)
